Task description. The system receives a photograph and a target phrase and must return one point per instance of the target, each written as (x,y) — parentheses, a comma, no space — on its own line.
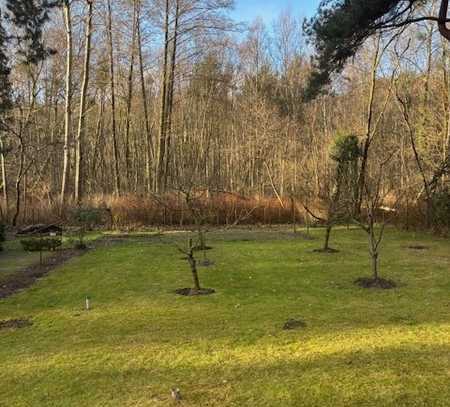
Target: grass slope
(360,347)
(13,259)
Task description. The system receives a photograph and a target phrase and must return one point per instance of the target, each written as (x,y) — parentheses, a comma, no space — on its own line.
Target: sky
(248,10)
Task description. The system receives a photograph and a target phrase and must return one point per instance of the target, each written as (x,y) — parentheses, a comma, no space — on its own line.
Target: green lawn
(13,259)
(360,347)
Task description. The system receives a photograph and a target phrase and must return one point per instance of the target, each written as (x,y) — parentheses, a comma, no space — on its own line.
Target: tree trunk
(149,152)
(373,248)
(170,94)
(375,266)
(130,96)
(19,177)
(4,180)
(162,124)
(68,101)
(113,102)
(294,215)
(326,245)
(95,164)
(81,122)
(193,264)
(445,32)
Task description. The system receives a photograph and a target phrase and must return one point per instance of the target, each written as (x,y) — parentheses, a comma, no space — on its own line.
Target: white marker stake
(88,305)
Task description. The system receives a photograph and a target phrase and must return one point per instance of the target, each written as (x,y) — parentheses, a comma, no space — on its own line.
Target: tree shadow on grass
(409,375)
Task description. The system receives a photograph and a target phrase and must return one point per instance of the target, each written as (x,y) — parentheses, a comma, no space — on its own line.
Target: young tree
(199,213)
(341,186)
(373,222)
(190,257)
(193,263)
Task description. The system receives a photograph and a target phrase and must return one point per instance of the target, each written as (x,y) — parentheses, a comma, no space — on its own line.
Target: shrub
(87,217)
(36,244)
(441,210)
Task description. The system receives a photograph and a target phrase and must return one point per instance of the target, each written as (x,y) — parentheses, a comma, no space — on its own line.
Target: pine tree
(5,70)
(340,28)
(29,17)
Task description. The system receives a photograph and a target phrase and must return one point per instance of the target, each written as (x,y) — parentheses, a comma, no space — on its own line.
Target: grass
(359,348)
(13,258)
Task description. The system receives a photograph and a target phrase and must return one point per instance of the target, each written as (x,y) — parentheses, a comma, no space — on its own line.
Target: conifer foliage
(340,28)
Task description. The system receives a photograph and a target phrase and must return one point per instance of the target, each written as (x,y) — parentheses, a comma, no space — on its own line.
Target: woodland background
(143,102)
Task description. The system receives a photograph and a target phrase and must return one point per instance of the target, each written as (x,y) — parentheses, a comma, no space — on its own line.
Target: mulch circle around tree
(369,282)
(329,250)
(418,247)
(26,277)
(292,324)
(15,324)
(190,292)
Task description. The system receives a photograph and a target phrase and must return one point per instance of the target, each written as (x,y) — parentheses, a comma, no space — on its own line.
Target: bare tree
(197,289)
(116,181)
(68,96)
(82,116)
(149,148)
(373,222)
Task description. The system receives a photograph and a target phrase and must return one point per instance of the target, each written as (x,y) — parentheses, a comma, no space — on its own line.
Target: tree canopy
(5,89)
(29,18)
(340,28)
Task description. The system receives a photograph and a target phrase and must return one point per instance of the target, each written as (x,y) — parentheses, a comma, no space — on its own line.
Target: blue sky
(248,10)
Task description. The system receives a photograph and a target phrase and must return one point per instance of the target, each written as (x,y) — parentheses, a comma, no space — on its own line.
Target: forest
(135,104)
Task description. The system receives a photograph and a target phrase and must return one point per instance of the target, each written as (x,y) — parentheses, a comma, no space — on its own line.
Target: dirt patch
(369,282)
(190,292)
(15,324)
(26,277)
(329,251)
(418,247)
(292,324)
